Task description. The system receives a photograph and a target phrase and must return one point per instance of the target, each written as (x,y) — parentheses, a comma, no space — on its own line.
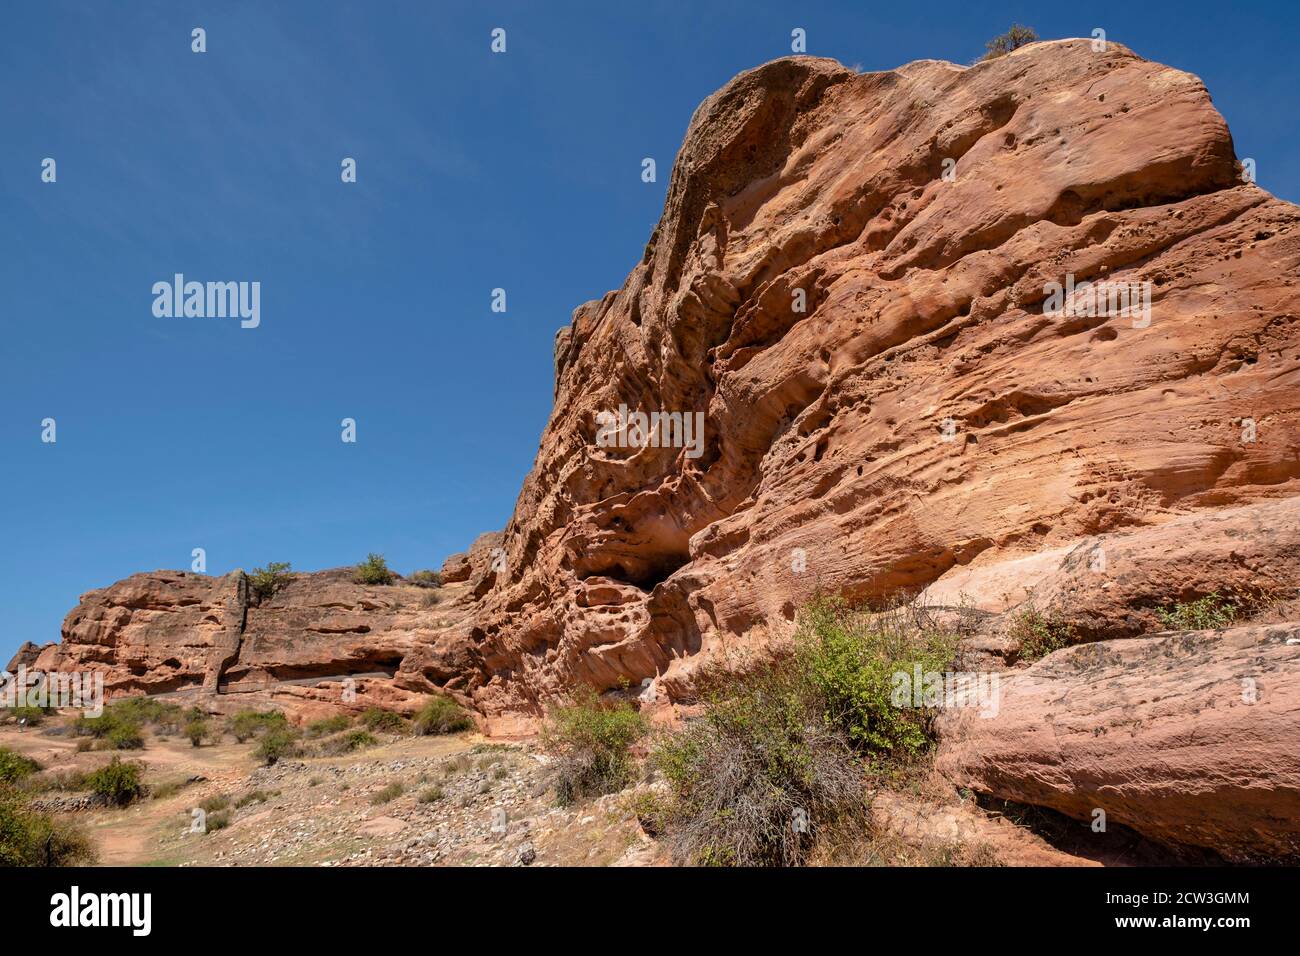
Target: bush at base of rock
(441,715)
(248,724)
(591,742)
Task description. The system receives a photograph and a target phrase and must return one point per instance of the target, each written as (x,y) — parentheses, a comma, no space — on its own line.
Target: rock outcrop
(922,415)
(1189,739)
(174,632)
(848,314)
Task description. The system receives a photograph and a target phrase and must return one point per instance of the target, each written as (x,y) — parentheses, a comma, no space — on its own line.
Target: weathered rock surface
(1189,739)
(824,430)
(848,284)
(25,656)
(174,631)
(1109,585)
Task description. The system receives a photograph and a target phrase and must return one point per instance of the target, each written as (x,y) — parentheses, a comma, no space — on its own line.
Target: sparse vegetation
(425,579)
(265,582)
(276,742)
(166,789)
(218,801)
(32,838)
(432,795)
(373,570)
(125,736)
(591,741)
(15,766)
(850,658)
(121,725)
(441,715)
(197,730)
(328,725)
(759,776)
(34,716)
(247,724)
(117,782)
(1039,634)
(388,794)
(359,739)
(780,756)
(1205,613)
(1013,39)
(383,721)
(253,796)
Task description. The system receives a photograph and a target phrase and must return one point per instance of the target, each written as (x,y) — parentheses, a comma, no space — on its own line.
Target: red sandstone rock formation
(924,304)
(1187,738)
(849,283)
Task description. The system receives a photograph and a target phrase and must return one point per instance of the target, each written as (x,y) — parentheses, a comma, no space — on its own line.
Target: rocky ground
(464,801)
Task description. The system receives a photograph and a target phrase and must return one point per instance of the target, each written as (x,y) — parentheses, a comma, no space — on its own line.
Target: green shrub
(373,570)
(197,730)
(31,838)
(383,721)
(265,582)
(1013,39)
(14,766)
(759,777)
(1206,613)
(591,742)
(425,579)
(389,793)
(359,739)
(218,801)
(329,725)
(121,724)
(146,710)
(779,756)
(216,821)
(432,795)
(117,782)
(277,741)
(125,736)
(1039,634)
(35,716)
(850,659)
(441,715)
(247,724)
(254,796)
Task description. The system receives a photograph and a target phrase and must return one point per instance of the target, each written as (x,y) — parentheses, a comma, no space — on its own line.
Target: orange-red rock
(1189,739)
(919,421)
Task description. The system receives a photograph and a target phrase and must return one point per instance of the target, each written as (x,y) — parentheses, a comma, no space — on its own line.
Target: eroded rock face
(1188,739)
(173,631)
(157,632)
(848,285)
(848,288)
(824,445)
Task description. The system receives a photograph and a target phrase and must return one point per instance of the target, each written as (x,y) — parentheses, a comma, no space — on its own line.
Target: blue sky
(475,171)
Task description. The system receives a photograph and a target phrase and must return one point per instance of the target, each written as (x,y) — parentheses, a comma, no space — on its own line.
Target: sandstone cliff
(849,282)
